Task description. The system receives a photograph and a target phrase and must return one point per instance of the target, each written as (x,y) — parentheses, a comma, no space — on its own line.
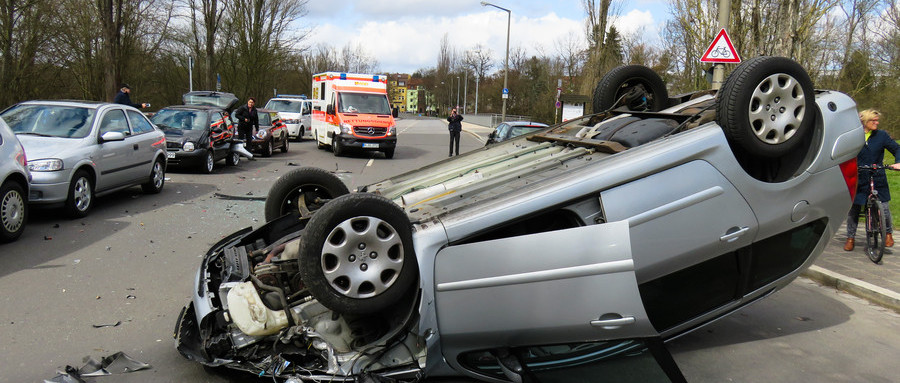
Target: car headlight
(188,146)
(290,121)
(48,165)
(346,128)
(261,134)
(392,130)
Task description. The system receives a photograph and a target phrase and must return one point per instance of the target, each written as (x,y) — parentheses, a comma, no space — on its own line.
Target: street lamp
(457,92)
(506,62)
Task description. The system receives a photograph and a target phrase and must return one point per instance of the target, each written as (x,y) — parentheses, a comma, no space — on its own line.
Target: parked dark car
(272,134)
(510,129)
(569,255)
(196,136)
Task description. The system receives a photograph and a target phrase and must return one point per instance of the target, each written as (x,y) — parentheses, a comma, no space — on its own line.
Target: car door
(566,286)
(689,229)
(220,134)
(145,140)
(116,159)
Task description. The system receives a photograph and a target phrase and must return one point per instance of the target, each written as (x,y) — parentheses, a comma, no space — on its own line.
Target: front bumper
(257,145)
(196,157)
(350,141)
(49,187)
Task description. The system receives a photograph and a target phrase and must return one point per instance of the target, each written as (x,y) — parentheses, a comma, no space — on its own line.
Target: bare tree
(479,60)
(205,21)
(23,36)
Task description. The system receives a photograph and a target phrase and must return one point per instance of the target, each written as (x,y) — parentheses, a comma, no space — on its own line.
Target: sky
(405,35)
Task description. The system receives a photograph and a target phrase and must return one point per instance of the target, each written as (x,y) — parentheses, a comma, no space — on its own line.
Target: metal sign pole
(719,68)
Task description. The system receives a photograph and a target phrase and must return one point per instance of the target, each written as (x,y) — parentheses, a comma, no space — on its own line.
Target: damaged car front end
(251,312)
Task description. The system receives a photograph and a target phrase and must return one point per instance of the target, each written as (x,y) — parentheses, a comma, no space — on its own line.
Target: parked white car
(295,112)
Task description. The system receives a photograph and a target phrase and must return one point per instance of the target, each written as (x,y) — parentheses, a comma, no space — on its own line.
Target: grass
(894,185)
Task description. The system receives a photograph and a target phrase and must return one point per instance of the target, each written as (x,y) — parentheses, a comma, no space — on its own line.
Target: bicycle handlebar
(876,167)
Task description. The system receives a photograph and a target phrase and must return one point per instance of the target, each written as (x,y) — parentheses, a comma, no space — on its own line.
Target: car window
(264,119)
(628,360)
(180,119)
(218,116)
(306,106)
(363,103)
(50,120)
(289,106)
(524,129)
(502,129)
(114,121)
(139,123)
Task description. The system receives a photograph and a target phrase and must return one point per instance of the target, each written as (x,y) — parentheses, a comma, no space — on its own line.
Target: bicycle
(875,230)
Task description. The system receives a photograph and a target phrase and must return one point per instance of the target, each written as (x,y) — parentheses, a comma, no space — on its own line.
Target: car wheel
(337,148)
(635,87)
(356,254)
(81,195)
(766,106)
(320,145)
(207,166)
(302,191)
(269,148)
(233,159)
(284,146)
(157,178)
(389,153)
(13,211)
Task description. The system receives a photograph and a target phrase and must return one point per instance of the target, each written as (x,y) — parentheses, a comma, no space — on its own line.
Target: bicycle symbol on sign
(720,52)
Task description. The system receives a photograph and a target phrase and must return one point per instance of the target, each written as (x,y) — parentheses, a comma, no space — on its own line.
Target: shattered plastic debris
(107,325)
(239,197)
(118,363)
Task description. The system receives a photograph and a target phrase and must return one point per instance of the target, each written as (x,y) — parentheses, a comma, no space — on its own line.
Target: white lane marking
(371,161)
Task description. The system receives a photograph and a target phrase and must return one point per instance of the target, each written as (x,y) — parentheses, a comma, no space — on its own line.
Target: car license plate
(170,155)
(370,146)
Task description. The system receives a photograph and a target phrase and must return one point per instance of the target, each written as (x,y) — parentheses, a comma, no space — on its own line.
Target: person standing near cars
(124,98)
(248,120)
(877,141)
(455,127)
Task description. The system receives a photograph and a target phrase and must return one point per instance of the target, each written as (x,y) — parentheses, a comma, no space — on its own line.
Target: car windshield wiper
(37,134)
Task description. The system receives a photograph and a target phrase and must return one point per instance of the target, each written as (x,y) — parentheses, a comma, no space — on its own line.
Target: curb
(862,289)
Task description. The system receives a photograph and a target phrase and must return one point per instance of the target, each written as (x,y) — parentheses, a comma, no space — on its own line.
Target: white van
(295,111)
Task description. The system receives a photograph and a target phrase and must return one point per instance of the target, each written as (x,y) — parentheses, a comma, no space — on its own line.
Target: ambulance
(351,111)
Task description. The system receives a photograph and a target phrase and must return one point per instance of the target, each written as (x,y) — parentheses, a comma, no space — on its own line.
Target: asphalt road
(128,266)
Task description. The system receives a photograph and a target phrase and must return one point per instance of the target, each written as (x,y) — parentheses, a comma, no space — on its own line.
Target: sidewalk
(853,272)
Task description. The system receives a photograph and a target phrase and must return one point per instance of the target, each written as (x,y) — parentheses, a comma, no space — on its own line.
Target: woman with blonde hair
(877,141)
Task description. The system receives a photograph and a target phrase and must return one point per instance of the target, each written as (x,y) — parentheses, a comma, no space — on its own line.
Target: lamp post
(506,62)
(457,92)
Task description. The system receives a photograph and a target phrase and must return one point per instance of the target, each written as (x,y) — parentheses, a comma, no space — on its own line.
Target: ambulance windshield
(363,103)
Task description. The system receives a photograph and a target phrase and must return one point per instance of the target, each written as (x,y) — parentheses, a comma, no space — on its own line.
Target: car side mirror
(329,109)
(112,136)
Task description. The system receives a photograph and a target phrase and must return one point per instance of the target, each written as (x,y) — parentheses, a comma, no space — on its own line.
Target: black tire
(80,198)
(13,211)
(207,166)
(356,254)
(284,146)
(268,149)
(320,145)
(337,148)
(636,87)
(766,106)
(875,230)
(315,186)
(233,159)
(389,153)
(157,178)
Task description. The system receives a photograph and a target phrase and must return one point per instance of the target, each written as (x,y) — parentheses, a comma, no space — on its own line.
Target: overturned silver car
(568,253)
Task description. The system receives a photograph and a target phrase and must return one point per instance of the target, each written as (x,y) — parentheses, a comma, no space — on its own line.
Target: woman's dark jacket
(873,153)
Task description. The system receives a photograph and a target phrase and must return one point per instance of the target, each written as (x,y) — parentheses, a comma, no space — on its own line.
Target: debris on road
(107,325)
(118,363)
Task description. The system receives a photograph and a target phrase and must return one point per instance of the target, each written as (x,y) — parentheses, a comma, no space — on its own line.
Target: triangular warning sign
(721,50)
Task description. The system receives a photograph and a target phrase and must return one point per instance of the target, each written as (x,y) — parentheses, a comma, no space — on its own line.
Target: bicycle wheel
(875,230)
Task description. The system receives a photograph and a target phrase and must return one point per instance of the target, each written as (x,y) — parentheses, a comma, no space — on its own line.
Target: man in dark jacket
(124,98)
(247,119)
(877,141)
(455,126)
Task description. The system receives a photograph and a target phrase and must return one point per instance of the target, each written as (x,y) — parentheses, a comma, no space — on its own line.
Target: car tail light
(851,175)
